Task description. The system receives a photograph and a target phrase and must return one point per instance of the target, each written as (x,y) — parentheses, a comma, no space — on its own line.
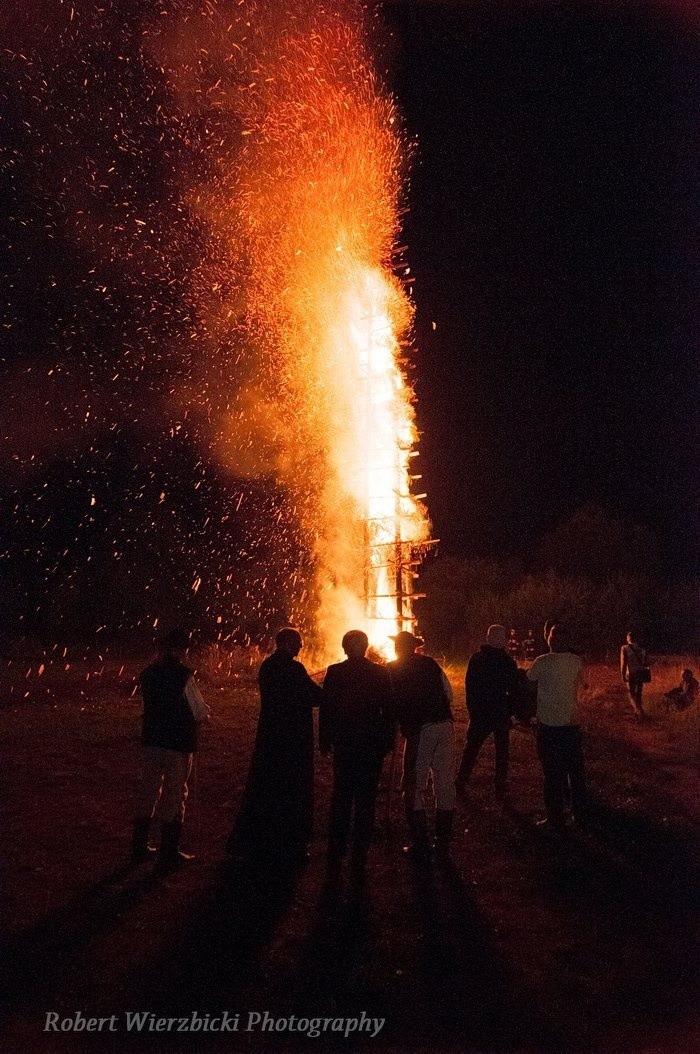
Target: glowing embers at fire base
(370,450)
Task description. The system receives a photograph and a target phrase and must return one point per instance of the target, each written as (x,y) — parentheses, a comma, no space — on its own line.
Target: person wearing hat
(173,710)
(422,701)
(355,724)
(491,684)
(276,814)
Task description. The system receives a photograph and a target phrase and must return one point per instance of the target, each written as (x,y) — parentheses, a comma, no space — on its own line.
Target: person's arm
(311,693)
(200,710)
(325,714)
(623,663)
(471,683)
(581,681)
(447,687)
(533,672)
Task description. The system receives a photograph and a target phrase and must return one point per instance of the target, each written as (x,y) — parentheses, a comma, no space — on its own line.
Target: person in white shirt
(559,676)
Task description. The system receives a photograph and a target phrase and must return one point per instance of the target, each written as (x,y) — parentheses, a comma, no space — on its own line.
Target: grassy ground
(525,945)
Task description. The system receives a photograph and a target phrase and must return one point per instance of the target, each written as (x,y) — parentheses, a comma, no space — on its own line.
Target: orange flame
(309,205)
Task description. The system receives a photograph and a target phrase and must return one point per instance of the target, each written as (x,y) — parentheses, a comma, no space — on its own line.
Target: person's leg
(147,796)
(176,771)
(553,768)
(341,806)
(477,734)
(444,783)
(416,766)
(635,689)
(367,783)
(501,742)
(577,779)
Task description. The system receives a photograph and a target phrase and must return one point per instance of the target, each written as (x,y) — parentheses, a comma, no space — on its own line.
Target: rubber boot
(444,819)
(140,849)
(419,849)
(169,856)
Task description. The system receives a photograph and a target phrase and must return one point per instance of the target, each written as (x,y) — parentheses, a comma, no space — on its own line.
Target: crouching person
(355,723)
(173,710)
(422,698)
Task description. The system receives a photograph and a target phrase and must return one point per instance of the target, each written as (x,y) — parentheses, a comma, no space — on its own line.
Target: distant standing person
(513,646)
(634,670)
(173,710)
(490,686)
(355,724)
(422,698)
(530,646)
(558,677)
(276,815)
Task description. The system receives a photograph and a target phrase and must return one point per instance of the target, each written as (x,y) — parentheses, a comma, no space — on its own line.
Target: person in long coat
(276,814)
(355,723)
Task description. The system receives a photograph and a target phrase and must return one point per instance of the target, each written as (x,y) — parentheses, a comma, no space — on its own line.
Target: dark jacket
(168,721)
(491,685)
(355,709)
(419,696)
(277,806)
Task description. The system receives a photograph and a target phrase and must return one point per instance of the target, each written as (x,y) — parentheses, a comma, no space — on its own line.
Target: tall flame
(322,183)
(309,204)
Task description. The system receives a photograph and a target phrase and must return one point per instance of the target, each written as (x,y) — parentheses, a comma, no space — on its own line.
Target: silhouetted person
(490,689)
(685,695)
(422,698)
(276,814)
(513,645)
(530,646)
(558,677)
(173,710)
(634,670)
(355,723)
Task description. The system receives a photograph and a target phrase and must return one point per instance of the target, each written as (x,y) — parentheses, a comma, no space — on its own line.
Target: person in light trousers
(422,700)
(173,710)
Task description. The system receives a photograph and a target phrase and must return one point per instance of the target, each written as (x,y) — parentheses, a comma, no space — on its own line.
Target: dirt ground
(527,944)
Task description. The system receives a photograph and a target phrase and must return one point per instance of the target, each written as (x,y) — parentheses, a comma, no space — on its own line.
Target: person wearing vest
(491,684)
(355,724)
(422,698)
(173,710)
(633,667)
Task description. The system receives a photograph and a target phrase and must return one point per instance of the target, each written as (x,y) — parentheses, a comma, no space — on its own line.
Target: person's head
(531,633)
(174,644)
(289,640)
(405,644)
(687,676)
(558,639)
(632,636)
(355,644)
(496,635)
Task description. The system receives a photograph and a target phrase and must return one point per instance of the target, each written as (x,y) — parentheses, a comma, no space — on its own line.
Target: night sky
(551,231)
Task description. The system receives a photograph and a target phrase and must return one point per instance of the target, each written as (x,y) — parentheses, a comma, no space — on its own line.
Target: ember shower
(279,311)
(309,211)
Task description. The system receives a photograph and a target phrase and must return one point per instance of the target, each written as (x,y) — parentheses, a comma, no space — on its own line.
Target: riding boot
(169,856)
(140,849)
(419,849)
(443,832)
